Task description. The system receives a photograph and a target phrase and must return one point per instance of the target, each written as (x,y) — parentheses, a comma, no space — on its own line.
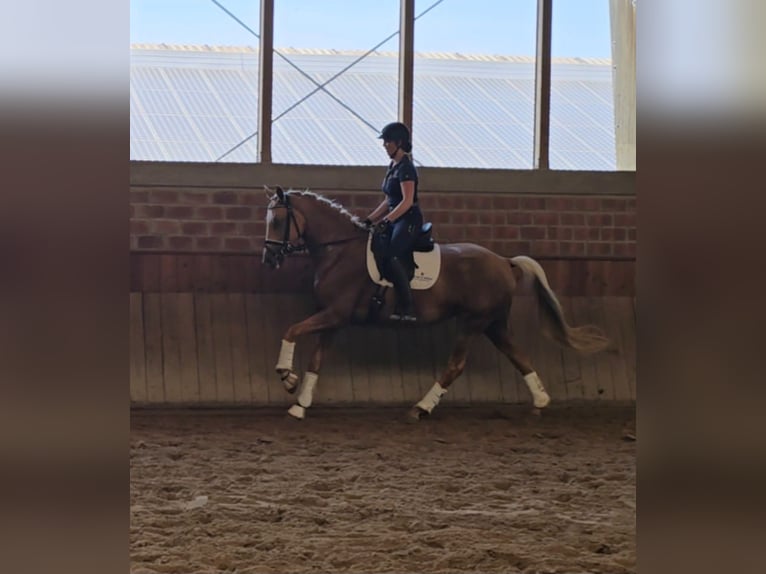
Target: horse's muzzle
(272,256)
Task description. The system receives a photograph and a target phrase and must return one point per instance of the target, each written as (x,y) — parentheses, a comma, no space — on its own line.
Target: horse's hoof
(542,401)
(297,411)
(415,414)
(289,380)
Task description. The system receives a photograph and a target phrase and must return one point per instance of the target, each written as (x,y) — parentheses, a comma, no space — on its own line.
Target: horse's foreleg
(311,377)
(455,366)
(318,322)
(500,335)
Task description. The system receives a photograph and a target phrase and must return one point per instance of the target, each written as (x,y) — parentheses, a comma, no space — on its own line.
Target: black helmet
(395,131)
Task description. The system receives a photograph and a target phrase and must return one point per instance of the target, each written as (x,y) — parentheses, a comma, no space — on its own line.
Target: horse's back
(474,269)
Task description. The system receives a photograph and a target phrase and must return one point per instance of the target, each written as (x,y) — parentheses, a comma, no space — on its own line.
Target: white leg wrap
(286,356)
(432,398)
(306,396)
(540,398)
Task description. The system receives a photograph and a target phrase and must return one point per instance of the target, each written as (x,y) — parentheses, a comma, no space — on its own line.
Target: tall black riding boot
(398,273)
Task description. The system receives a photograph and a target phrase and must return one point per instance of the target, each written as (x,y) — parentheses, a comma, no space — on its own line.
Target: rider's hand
(382,226)
(367,223)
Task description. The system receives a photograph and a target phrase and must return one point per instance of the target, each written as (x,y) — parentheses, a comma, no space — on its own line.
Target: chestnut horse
(475,285)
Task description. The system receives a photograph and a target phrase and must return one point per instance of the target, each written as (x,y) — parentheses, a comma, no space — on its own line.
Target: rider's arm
(380,210)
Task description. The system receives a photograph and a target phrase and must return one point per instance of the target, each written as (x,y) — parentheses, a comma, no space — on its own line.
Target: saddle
(424,243)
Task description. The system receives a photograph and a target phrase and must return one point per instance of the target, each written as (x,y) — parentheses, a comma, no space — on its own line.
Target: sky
(497,27)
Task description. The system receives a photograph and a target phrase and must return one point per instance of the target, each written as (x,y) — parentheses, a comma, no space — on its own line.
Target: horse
(475,285)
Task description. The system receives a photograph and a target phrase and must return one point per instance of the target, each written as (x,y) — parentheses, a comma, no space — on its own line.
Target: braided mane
(329,203)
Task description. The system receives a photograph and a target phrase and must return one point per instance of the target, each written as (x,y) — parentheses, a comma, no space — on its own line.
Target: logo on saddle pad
(426,272)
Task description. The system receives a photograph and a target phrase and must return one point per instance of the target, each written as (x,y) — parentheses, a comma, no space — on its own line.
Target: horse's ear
(280,193)
(269,192)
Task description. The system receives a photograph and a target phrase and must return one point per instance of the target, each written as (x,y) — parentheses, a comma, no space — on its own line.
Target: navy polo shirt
(396,174)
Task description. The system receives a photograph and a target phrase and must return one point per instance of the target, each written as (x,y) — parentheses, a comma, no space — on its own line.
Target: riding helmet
(395,131)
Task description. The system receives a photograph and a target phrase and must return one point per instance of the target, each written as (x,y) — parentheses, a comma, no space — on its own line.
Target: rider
(401,211)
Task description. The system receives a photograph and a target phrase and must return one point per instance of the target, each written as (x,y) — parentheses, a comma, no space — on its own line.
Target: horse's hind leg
(311,376)
(455,366)
(499,333)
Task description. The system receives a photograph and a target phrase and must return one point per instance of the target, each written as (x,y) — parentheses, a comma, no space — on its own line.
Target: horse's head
(283,229)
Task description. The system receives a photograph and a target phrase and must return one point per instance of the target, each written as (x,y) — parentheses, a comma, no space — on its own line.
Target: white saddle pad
(426,273)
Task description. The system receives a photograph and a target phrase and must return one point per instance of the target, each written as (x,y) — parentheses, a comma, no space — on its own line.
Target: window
(193,79)
(331,94)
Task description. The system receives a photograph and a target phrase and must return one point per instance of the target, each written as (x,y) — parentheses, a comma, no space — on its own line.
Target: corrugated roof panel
(158,102)
(515,136)
(486,104)
(139,129)
(146,78)
(187,151)
(218,129)
(149,151)
(246,153)
(186,79)
(564,139)
(248,125)
(230,81)
(239,105)
(202,103)
(174,128)
(568,113)
(575,160)
(596,138)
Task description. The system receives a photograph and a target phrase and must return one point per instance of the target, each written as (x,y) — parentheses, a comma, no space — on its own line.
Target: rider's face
(391,148)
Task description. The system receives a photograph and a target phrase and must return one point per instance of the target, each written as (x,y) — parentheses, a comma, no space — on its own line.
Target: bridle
(286,247)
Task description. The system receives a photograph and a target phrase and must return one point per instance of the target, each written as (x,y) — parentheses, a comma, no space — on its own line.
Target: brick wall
(233,221)
(211,239)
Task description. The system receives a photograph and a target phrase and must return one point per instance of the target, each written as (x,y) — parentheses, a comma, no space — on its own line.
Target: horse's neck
(325,224)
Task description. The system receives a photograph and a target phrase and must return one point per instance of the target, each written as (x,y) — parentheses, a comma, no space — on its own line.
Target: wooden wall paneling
(138,391)
(260,376)
(628,327)
(150,272)
(362,350)
(187,333)
(237,278)
(588,378)
(335,385)
(168,273)
(379,365)
(570,358)
(184,266)
(203,316)
(136,272)
(171,347)
(240,364)
(604,380)
(389,344)
(222,348)
(615,316)
(201,273)
(219,280)
(153,348)
(409,364)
